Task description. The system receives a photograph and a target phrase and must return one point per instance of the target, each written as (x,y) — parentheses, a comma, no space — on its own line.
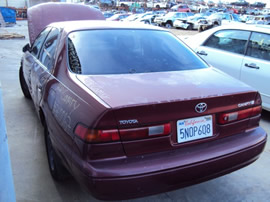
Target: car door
(31,57)
(42,69)
(225,50)
(256,65)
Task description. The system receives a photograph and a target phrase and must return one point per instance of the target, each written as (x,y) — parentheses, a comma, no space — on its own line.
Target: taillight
(239,115)
(94,136)
(145,132)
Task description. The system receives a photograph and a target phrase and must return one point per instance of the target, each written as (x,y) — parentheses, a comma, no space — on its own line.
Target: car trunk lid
(147,102)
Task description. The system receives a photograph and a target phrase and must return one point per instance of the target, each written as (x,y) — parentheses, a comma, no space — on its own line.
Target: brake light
(94,136)
(145,132)
(239,115)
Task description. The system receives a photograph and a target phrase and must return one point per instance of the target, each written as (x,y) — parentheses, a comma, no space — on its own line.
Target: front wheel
(57,169)
(168,25)
(23,84)
(190,27)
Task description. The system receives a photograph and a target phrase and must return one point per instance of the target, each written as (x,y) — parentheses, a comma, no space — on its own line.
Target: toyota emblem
(201,107)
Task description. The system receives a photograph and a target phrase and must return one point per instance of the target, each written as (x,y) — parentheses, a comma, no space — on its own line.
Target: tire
(57,169)
(23,85)
(190,27)
(168,25)
(147,22)
(157,6)
(200,29)
(215,24)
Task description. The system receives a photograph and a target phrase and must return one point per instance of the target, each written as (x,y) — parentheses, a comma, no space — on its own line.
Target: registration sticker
(194,128)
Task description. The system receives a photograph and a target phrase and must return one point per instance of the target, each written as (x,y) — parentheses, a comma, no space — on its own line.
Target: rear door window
(49,48)
(229,40)
(259,46)
(39,41)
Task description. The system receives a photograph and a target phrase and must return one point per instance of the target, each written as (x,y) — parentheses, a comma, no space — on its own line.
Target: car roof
(70,26)
(247,27)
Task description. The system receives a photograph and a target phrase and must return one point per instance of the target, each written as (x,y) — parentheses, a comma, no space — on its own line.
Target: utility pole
(6,3)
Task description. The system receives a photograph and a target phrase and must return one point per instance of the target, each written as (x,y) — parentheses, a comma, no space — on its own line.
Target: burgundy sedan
(129,110)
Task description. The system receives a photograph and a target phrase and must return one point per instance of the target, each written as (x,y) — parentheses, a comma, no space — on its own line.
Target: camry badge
(201,107)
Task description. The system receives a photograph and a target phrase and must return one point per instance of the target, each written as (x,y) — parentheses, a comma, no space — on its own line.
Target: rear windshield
(128,51)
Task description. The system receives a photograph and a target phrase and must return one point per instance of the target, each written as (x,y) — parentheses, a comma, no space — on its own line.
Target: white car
(242,51)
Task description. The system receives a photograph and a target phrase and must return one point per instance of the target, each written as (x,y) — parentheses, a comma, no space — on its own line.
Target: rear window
(128,51)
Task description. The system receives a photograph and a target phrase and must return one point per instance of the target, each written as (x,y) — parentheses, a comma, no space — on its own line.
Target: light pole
(6,3)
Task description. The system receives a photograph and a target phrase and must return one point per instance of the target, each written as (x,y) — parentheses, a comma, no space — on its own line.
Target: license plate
(194,128)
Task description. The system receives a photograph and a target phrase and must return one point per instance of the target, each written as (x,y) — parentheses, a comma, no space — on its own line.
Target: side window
(259,46)
(49,48)
(226,17)
(229,40)
(39,41)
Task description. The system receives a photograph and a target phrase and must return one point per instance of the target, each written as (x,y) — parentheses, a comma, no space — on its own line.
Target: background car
(181,8)
(129,109)
(242,51)
(261,19)
(217,19)
(118,17)
(190,23)
(168,19)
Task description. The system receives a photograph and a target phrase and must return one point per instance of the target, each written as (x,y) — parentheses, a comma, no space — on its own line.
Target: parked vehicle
(258,5)
(190,23)
(246,18)
(158,4)
(262,19)
(240,3)
(129,109)
(247,50)
(266,11)
(217,19)
(118,17)
(107,3)
(168,19)
(146,18)
(181,8)
(130,18)
(108,14)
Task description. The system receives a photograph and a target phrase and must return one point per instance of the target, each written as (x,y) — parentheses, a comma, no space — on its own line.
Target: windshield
(128,51)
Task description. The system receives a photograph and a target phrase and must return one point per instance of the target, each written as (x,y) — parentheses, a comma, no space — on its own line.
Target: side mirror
(26,48)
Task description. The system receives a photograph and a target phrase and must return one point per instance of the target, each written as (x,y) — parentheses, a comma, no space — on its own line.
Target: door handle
(202,53)
(252,65)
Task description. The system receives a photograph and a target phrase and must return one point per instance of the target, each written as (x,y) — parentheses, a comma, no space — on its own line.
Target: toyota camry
(129,110)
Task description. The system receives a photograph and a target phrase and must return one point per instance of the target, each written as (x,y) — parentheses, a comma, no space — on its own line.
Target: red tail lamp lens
(145,132)
(94,136)
(239,115)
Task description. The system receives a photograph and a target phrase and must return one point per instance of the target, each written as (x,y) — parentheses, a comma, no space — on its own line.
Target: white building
(27,3)
(14,3)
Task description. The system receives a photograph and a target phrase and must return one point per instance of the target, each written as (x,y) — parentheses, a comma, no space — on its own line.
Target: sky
(250,1)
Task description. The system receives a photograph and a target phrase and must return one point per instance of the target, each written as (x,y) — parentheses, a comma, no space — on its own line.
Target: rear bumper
(203,162)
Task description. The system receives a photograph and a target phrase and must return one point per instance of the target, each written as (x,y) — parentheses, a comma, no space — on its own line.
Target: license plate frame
(196,128)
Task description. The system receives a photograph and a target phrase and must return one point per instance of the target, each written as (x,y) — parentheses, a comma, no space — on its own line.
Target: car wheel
(57,169)
(168,25)
(146,22)
(190,27)
(200,29)
(23,84)
(215,24)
